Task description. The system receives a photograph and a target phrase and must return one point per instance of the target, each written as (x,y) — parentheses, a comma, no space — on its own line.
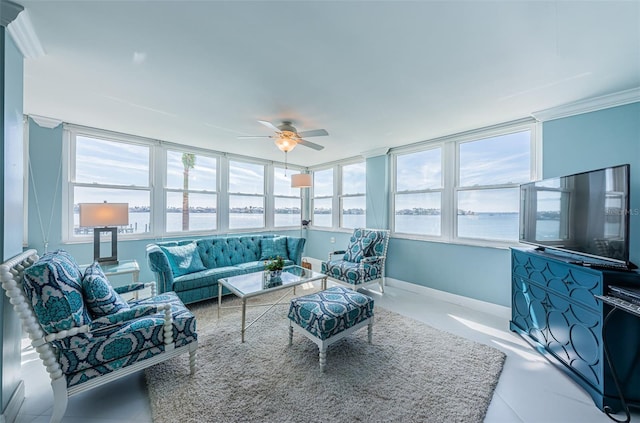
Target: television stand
(555,308)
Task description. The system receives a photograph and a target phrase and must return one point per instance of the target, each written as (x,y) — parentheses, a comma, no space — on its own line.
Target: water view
(495,226)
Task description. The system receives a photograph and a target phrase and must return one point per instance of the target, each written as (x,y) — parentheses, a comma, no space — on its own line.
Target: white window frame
(157,185)
(70,133)
(342,196)
(271,196)
(337,195)
(394,192)
(333,197)
(214,191)
(266,208)
(451,170)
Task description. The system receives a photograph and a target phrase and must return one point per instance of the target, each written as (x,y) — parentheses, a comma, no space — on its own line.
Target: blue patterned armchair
(363,262)
(84,332)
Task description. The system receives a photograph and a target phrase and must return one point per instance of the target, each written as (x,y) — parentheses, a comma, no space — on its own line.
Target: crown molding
(375,152)
(589,105)
(25,37)
(8,12)
(45,122)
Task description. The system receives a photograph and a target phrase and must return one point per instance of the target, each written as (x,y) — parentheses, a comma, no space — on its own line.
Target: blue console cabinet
(553,307)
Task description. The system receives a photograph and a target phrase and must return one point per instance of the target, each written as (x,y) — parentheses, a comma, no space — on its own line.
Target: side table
(123,267)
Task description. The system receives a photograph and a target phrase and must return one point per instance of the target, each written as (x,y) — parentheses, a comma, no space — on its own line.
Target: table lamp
(104,218)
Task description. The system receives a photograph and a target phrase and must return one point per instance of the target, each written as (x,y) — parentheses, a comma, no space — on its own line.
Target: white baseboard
(486,307)
(13,407)
(490,308)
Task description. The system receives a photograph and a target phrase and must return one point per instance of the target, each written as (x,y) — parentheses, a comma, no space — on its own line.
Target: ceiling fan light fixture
(285,144)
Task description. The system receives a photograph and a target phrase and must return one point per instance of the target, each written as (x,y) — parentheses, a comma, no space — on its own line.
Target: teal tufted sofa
(192,268)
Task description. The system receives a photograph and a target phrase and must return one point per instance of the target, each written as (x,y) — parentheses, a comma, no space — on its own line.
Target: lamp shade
(301,180)
(104,214)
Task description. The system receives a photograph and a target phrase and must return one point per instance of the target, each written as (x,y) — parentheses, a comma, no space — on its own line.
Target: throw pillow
(99,295)
(53,285)
(184,259)
(274,247)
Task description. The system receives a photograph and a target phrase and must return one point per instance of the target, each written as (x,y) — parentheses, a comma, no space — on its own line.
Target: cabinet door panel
(574,337)
(528,310)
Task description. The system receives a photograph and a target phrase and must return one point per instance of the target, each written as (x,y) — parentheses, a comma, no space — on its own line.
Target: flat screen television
(585,213)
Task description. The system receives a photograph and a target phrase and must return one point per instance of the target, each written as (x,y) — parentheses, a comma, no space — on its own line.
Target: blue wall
(595,140)
(578,143)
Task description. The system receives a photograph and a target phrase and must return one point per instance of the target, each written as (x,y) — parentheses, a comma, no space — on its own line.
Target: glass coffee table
(259,283)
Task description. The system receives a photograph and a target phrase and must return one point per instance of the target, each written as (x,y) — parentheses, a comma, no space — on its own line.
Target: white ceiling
(373,74)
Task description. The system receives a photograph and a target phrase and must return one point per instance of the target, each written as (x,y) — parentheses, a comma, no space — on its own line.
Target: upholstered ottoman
(330,315)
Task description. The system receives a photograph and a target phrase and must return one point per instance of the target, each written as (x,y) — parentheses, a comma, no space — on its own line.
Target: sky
(496,160)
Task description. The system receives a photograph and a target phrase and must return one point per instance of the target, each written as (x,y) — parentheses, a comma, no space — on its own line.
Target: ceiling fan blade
(313,133)
(253,136)
(269,125)
(310,144)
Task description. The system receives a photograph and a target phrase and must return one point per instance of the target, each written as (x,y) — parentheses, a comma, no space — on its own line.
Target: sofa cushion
(53,285)
(349,272)
(183,259)
(214,252)
(206,277)
(100,297)
(252,266)
(274,247)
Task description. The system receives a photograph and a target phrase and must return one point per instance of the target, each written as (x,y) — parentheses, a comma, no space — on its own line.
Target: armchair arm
(372,259)
(337,252)
(137,287)
(126,315)
(108,326)
(62,335)
(159,264)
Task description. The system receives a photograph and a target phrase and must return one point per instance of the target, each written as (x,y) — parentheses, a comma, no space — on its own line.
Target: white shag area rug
(410,373)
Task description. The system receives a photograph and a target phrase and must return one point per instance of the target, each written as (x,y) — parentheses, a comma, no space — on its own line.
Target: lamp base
(113,259)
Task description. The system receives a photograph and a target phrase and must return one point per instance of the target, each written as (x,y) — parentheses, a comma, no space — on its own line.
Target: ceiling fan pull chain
(285,163)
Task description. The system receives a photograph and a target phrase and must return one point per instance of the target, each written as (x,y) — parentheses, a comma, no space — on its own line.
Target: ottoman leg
(323,358)
(290,333)
(370,330)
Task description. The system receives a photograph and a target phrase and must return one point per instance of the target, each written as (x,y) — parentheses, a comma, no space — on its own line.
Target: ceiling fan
(287,136)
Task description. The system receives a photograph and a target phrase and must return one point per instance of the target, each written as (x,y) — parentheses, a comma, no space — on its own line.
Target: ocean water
(498,226)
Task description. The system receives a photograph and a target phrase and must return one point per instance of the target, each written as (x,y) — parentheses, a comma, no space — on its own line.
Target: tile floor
(530,388)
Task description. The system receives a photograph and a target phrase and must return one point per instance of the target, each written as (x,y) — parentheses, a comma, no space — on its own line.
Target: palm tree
(189,162)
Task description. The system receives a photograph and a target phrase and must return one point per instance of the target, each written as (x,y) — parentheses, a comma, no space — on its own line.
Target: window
(488,196)
(464,188)
(111,171)
(172,189)
(323,198)
(246,195)
(286,200)
(191,199)
(418,198)
(353,196)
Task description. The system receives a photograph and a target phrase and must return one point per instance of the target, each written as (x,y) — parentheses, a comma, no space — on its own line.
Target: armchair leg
(382,285)
(60,399)
(193,348)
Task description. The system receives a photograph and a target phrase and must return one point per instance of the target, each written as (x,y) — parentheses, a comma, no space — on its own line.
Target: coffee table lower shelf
(256,284)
